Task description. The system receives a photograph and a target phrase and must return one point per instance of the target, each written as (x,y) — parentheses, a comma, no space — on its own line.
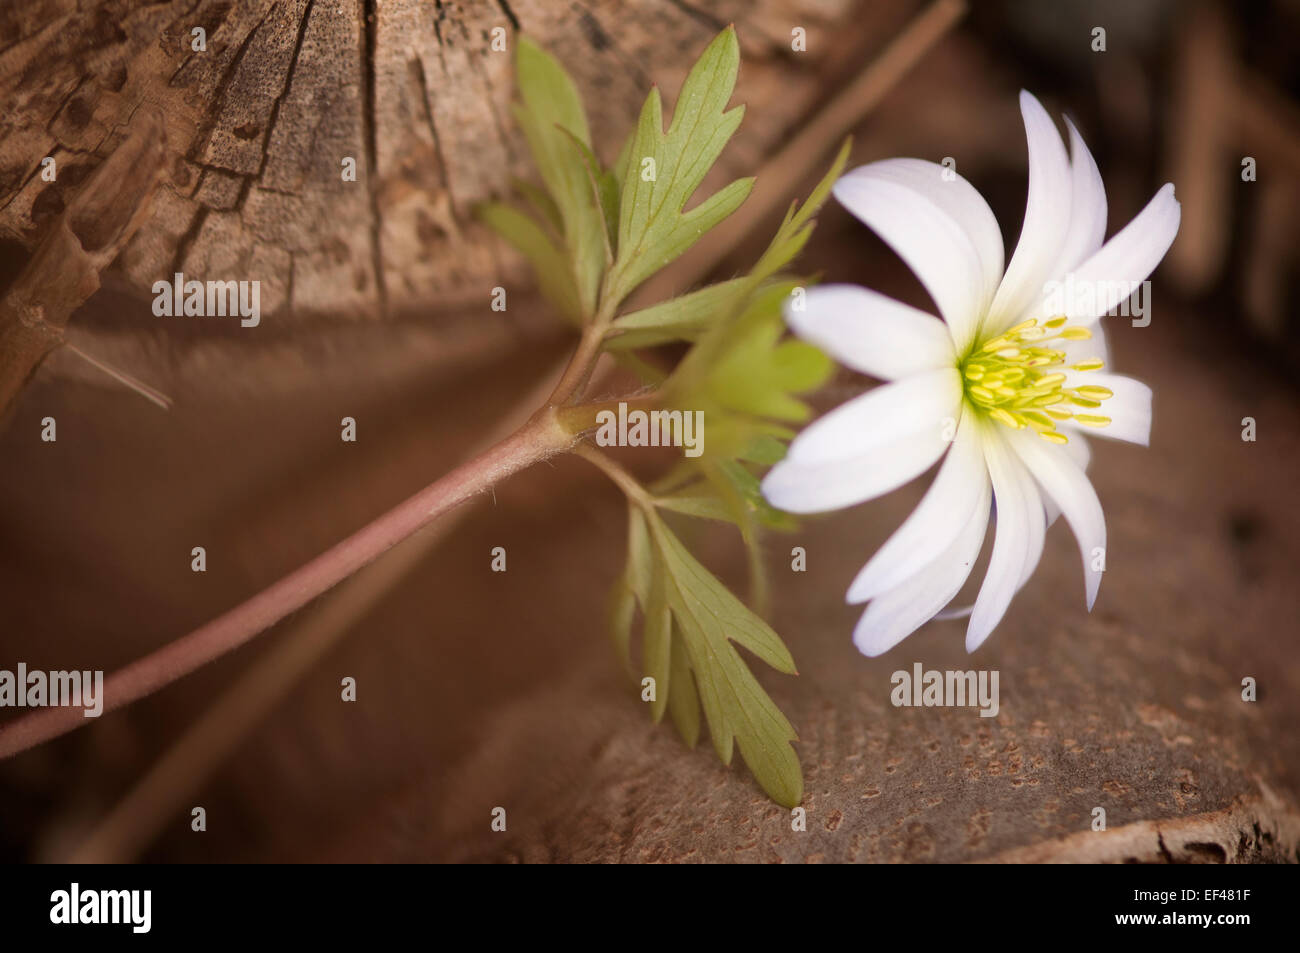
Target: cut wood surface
(259,125)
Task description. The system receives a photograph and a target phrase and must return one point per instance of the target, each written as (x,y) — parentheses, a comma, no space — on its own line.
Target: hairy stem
(543,436)
(584,359)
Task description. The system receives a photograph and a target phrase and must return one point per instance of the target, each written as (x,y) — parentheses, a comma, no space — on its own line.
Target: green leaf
(714,332)
(622,610)
(746,488)
(650,374)
(797,226)
(541,202)
(732,482)
(705,507)
(756,372)
(554,276)
(640,555)
(619,168)
(633,587)
(552,119)
(658,645)
(692,627)
(687,311)
(548,93)
(663,170)
(684,700)
(764,450)
(604,190)
(635,340)
(738,710)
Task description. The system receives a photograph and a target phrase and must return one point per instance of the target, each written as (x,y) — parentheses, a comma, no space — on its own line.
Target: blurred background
(478,689)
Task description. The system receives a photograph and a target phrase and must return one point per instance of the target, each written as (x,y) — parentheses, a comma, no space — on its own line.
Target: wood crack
(189,238)
(701,16)
(284,90)
(440,14)
(418,66)
(213,115)
(510,14)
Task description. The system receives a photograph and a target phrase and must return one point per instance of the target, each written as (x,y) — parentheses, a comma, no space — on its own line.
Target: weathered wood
(85,238)
(259,124)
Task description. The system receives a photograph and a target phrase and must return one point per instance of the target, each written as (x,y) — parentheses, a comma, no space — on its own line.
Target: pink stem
(540,438)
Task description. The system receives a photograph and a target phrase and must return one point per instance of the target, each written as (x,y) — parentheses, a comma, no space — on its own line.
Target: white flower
(1005,383)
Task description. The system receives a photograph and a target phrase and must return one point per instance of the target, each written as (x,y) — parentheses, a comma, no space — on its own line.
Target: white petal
(1077,449)
(898,613)
(1095,346)
(1069,488)
(934,524)
(1087,226)
(926,402)
(1113,273)
(1012,540)
(1038,523)
(870,332)
(1047,217)
(932,243)
(1037,526)
(815,488)
(958,199)
(1129,410)
(961,612)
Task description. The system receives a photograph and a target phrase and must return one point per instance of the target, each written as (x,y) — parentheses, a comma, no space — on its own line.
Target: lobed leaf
(684,700)
(554,277)
(737,709)
(661,171)
(686,311)
(552,119)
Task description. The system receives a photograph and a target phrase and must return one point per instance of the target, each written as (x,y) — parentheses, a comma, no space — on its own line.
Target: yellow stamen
(997,413)
(1017,381)
(1092,392)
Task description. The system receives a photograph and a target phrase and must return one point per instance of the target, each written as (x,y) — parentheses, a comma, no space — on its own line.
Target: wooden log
(85,238)
(262,119)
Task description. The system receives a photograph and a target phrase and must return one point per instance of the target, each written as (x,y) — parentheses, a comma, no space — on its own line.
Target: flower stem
(584,359)
(543,436)
(579,418)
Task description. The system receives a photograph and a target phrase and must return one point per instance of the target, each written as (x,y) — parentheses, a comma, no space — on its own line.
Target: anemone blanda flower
(1002,388)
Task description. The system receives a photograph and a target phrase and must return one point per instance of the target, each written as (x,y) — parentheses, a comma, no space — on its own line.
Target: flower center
(1016,379)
